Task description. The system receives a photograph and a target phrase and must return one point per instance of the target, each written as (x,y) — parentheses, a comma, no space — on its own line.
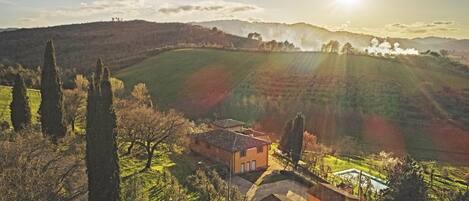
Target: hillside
(118,43)
(310,37)
(415,103)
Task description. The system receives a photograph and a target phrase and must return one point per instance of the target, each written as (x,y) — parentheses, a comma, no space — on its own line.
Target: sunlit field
(403,104)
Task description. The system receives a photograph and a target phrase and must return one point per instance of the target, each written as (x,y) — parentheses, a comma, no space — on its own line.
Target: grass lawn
(179,165)
(455,173)
(5,100)
(186,164)
(339,164)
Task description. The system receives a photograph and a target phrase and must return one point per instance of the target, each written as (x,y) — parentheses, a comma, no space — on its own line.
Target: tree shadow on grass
(185,165)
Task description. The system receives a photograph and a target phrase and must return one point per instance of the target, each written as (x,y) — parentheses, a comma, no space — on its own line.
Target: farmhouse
(327,192)
(242,153)
(228,124)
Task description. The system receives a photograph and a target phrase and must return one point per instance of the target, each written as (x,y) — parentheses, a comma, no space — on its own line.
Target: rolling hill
(418,104)
(310,37)
(118,43)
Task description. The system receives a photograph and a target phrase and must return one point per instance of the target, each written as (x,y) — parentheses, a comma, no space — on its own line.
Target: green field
(404,104)
(5,100)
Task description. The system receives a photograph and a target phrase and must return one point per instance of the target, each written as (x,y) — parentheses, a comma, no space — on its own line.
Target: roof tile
(229,140)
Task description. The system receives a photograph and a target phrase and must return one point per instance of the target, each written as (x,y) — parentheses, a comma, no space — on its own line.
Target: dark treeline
(32,75)
(122,43)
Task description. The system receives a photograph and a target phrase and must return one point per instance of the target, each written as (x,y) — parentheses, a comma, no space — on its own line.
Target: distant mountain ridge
(311,37)
(7,29)
(119,43)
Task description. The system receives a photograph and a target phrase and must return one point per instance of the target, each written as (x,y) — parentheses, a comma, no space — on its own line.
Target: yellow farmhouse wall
(223,156)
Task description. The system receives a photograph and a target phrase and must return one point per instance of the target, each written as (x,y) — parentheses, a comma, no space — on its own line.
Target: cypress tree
(91,133)
(99,72)
(51,109)
(19,107)
(109,137)
(101,153)
(296,143)
(285,140)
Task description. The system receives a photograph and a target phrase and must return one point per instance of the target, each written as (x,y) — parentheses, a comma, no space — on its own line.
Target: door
(246,167)
(242,167)
(253,165)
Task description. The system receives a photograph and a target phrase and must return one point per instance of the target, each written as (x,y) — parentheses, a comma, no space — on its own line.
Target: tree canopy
(406,182)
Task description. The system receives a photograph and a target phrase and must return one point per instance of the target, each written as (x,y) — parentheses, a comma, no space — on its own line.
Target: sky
(386,18)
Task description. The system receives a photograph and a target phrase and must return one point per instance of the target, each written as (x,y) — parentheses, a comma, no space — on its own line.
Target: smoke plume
(386,49)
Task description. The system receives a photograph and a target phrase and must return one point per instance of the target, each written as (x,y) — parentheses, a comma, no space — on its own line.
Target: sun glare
(347,3)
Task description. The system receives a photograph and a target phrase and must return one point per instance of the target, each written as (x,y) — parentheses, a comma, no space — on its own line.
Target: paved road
(291,189)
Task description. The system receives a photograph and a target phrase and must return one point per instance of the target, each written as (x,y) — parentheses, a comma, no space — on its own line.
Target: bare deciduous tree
(159,128)
(147,128)
(141,94)
(74,101)
(128,123)
(117,87)
(33,168)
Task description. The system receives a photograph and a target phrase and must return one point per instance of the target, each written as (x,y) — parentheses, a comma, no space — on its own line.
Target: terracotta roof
(327,192)
(228,123)
(276,197)
(250,131)
(229,140)
(257,134)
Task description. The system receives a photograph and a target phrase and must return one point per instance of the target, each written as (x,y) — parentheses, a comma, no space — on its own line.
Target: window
(242,167)
(243,153)
(260,149)
(253,165)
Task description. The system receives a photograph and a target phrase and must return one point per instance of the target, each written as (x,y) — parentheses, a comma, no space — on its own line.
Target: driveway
(289,188)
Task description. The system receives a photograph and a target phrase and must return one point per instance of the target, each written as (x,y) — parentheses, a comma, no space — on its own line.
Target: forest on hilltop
(119,43)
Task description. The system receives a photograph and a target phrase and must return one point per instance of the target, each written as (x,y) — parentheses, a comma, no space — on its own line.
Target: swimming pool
(352,174)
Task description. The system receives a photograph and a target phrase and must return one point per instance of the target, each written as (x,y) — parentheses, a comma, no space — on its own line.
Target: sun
(348,3)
